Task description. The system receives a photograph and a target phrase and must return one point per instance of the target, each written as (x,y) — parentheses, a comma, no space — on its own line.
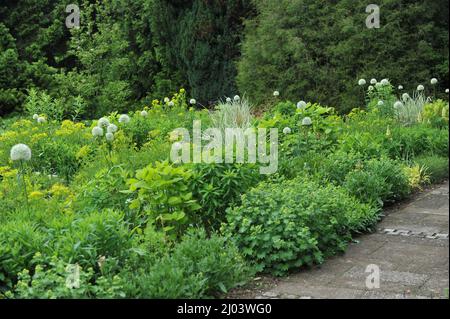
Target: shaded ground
(411,249)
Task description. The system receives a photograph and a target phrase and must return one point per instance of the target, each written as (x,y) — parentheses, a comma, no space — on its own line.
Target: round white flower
(124,118)
(384,82)
(193,102)
(97,131)
(446,91)
(103,122)
(373,81)
(433,81)
(276,93)
(144,113)
(287,130)
(400,87)
(306,121)
(301,105)
(112,128)
(109,137)
(380,103)
(378,85)
(228,100)
(405,96)
(361,82)
(20,152)
(420,87)
(237,98)
(171,103)
(398,105)
(41,119)
(371,88)
(35,116)
(166,100)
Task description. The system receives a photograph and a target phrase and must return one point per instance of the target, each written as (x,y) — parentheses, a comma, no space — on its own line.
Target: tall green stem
(22,173)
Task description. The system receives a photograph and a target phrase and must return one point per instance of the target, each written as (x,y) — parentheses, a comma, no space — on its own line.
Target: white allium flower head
(380,103)
(301,105)
(287,130)
(166,100)
(400,87)
(171,103)
(371,88)
(373,81)
(112,128)
(144,113)
(405,96)
(20,152)
(447,91)
(361,82)
(276,93)
(433,81)
(306,121)
(103,122)
(109,137)
(398,105)
(237,98)
(193,101)
(228,100)
(378,85)
(97,131)
(420,87)
(41,119)
(124,118)
(385,82)
(35,116)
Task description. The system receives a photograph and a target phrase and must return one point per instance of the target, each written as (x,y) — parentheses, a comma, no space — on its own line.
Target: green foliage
(286,225)
(435,114)
(435,166)
(291,46)
(162,192)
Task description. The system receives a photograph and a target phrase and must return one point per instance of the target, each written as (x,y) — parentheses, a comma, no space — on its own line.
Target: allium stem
(22,173)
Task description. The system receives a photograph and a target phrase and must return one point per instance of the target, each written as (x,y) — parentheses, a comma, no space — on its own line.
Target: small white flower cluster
(104,123)
(276,93)
(20,152)
(287,130)
(124,119)
(420,87)
(193,101)
(433,81)
(306,121)
(39,119)
(301,105)
(362,82)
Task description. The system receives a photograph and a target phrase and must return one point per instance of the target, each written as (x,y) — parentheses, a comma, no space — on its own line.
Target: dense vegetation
(128,52)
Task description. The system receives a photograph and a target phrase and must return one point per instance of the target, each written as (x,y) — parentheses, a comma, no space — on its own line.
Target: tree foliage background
(128,52)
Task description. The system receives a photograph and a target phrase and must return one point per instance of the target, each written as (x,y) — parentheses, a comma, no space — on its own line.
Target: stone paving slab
(413,260)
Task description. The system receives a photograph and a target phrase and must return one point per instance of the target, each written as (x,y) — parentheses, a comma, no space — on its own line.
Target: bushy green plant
(285,225)
(435,166)
(233,114)
(435,114)
(409,110)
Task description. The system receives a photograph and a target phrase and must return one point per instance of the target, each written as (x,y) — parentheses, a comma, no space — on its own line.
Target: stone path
(411,249)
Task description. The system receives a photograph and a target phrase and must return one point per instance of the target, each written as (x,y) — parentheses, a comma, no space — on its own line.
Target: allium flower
(276,93)
(109,137)
(193,101)
(420,87)
(97,131)
(35,116)
(171,103)
(361,82)
(287,130)
(166,100)
(400,87)
(434,81)
(103,122)
(301,105)
(384,82)
(237,98)
(228,100)
(373,81)
(41,119)
(405,96)
(378,85)
(144,113)
(371,88)
(447,91)
(398,105)
(306,121)
(124,119)
(380,103)
(20,152)
(112,128)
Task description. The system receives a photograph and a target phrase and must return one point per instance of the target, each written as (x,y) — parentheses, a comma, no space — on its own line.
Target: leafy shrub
(435,166)
(197,267)
(281,226)
(378,181)
(435,114)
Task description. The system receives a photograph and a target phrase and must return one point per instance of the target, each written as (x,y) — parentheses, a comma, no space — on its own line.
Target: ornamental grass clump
(408,112)
(234,114)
